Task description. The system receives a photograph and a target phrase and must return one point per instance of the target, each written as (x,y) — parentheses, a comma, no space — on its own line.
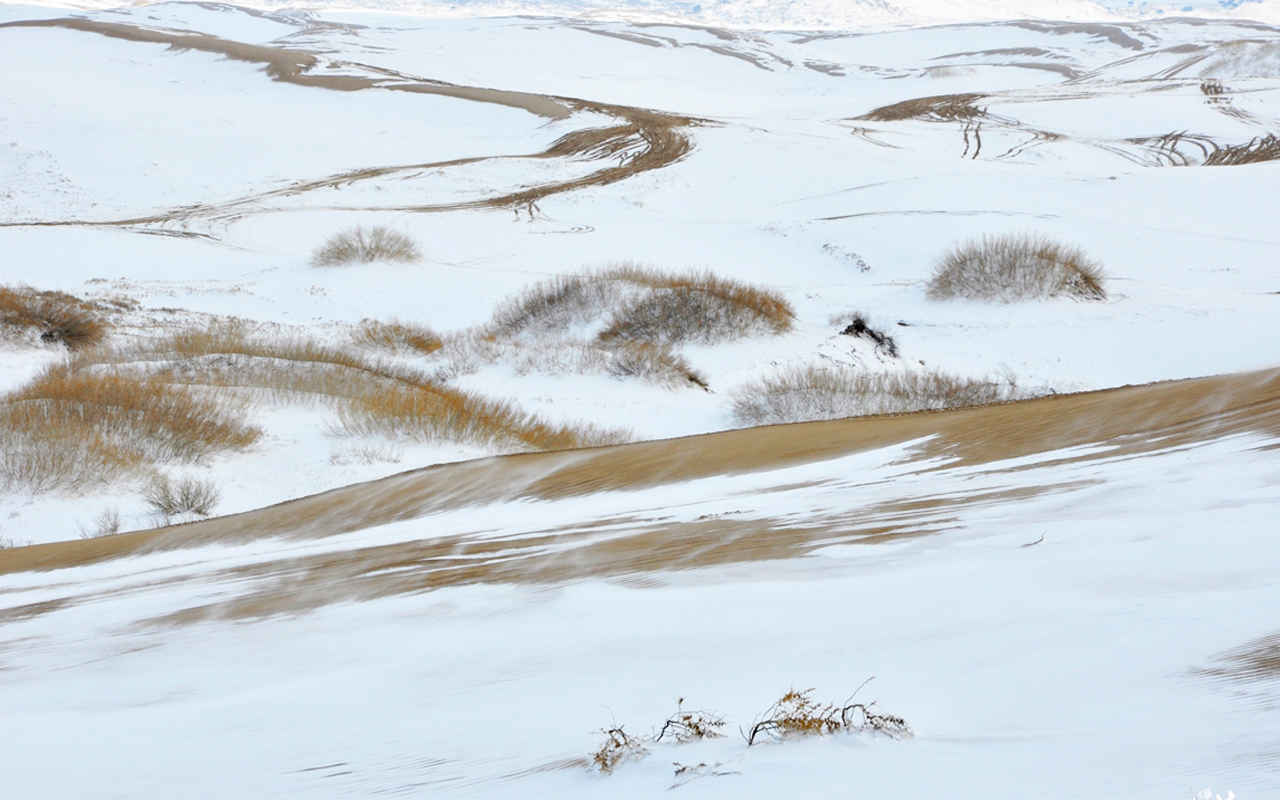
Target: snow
(1071,668)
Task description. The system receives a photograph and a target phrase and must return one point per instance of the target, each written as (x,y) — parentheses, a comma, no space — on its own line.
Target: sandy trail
(1130,421)
(643,140)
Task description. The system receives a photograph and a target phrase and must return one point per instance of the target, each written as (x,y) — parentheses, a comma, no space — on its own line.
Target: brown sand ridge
(1132,421)
(643,140)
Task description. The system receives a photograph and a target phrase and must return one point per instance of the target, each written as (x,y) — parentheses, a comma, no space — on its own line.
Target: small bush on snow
(360,246)
(1018,267)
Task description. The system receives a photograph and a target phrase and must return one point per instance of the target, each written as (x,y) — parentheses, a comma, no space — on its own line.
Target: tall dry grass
(1016,267)
(69,429)
(369,396)
(817,392)
(396,336)
(56,316)
(363,246)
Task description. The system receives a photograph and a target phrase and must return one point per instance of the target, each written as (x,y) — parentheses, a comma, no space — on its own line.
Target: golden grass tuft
(396,336)
(807,393)
(57,316)
(361,246)
(1016,267)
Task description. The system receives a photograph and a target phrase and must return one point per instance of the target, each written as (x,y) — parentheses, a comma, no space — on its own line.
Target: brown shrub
(1016,267)
(360,246)
(58,316)
(815,392)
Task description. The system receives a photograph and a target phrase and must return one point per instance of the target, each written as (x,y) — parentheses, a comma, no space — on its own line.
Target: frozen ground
(146,153)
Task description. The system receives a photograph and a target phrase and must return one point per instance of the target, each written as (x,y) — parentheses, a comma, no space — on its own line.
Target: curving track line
(642,140)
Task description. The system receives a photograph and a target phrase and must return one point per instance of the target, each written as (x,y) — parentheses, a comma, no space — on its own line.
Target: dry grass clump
(361,246)
(369,396)
(1017,267)
(72,428)
(557,304)
(187,496)
(944,107)
(545,354)
(647,305)
(814,392)
(57,316)
(797,714)
(447,414)
(1256,150)
(396,336)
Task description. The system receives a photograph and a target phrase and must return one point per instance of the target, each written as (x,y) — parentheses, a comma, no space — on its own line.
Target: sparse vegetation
(106,523)
(687,726)
(617,747)
(186,496)
(794,714)
(1256,150)
(361,246)
(396,336)
(1017,267)
(647,305)
(820,392)
(56,316)
(71,428)
(797,714)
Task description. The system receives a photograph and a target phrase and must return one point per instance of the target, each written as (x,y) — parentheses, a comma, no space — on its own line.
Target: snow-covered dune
(386,589)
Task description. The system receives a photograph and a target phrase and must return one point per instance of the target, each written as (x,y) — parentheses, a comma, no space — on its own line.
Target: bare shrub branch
(797,714)
(1016,267)
(617,747)
(687,726)
(187,496)
(361,246)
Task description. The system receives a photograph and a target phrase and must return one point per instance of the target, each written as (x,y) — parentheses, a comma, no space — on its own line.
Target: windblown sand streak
(1130,420)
